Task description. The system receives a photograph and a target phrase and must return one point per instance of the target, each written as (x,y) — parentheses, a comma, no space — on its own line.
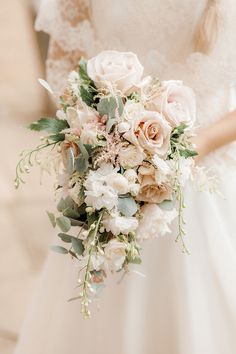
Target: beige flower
(150,131)
(131,156)
(150,190)
(121,69)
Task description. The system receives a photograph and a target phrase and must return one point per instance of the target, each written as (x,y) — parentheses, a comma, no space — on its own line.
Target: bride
(184,304)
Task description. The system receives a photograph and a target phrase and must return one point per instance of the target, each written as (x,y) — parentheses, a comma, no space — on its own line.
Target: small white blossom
(154,222)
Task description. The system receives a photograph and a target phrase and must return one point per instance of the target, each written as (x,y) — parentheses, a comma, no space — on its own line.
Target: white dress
(185,304)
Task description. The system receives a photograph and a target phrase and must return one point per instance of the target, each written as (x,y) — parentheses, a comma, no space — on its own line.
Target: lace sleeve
(69,26)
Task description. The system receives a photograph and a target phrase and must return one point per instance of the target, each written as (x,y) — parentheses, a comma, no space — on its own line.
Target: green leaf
(65,237)
(136,260)
(78,246)
(52,218)
(63,223)
(107,106)
(57,137)
(66,203)
(187,153)
(167,204)
(59,249)
(75,222)
(83,150)
(177,131)
(127,206)
(83,70)
(81,164)
(51,125)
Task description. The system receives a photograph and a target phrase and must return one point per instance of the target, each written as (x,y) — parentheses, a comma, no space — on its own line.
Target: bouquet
(121,148)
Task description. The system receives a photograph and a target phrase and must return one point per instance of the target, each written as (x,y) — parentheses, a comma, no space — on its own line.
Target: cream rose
(121,69)
(150,190)
(150,131)
(115,252)
(130,156)
(176,101)
(120,224)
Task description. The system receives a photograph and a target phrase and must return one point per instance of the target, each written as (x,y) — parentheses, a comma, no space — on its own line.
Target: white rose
(177,102)
(115,252)
(117,224)
(119,183)
(154,222)
(89,136)
(121,69)
(131,156)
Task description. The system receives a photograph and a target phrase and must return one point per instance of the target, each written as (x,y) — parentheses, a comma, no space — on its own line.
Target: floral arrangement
(121,147)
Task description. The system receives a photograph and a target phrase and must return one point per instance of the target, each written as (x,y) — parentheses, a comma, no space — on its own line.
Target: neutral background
(25,231)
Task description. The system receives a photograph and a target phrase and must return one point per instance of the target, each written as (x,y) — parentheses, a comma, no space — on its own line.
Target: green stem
(84,304)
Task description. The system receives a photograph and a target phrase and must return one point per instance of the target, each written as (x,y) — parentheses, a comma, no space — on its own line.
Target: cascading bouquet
(122,150)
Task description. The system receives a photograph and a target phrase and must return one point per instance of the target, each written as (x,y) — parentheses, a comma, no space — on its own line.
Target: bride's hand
(215,136)
(201,146)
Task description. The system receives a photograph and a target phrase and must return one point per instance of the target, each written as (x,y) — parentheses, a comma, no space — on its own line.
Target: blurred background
(25,231)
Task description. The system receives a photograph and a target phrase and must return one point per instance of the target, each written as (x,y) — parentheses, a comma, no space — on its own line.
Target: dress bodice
(159,32)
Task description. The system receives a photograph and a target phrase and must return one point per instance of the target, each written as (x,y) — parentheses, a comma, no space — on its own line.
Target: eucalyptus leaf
(59,249)
(65,237)
(167,204)
(81,164)
(63,223)
(83,150)
(127,206)
(78,246)
(52,218)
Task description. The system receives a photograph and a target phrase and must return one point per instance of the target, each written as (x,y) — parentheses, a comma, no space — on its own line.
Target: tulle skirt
(185,304)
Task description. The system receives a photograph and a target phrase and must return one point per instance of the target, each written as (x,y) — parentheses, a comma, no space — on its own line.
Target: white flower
(119,183)
(117,224)
(123,127)
(134,189)
(77,118)
(162,169)
(89,136)
(177,102)
(131,175)
(98,193)
(115,252)
(154,222)
(97,261)
(121,69)
(131,156)
(73,81)
(132,109)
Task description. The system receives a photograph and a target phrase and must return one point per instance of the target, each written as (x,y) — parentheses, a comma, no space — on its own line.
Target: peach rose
(150,190)
(122,69)
(150,131)
(176,101)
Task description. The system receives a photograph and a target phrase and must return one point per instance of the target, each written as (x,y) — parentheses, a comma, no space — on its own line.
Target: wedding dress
(184,304)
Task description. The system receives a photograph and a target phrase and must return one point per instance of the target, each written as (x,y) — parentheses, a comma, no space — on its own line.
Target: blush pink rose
(150,131)
(150,190)
(177,103)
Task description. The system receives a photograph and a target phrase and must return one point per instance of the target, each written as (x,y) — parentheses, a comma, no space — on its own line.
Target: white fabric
(186,304)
